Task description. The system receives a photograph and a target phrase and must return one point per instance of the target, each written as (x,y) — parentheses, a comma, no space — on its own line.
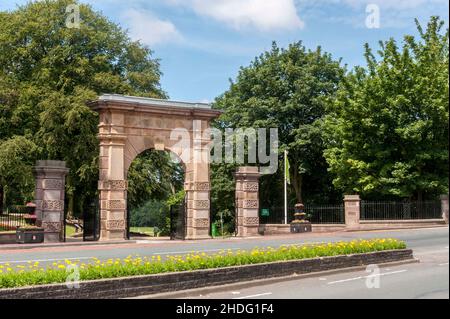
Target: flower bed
(34,274)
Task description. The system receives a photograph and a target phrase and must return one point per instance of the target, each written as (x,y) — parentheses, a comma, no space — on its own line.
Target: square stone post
(444,207)
(197,184)
(352,208)
(49,198)
(112,188)
(247,201)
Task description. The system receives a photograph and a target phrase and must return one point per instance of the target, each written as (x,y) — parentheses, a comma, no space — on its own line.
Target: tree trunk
(419,196)
(297,181)
(1,199)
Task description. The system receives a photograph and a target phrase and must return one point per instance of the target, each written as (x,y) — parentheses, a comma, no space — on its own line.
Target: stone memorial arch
(130,125)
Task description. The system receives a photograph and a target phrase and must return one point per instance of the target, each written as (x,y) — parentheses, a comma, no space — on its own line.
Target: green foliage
(114,268)
(288,89)
(388,128)
(156,213)
(223,194)
(16,155)
(153,175)
(49,71)
(153,213)
(177,198)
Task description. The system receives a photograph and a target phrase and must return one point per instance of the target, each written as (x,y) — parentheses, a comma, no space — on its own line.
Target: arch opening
(156,196)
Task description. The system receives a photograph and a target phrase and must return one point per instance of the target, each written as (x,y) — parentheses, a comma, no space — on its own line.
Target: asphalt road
(427,279)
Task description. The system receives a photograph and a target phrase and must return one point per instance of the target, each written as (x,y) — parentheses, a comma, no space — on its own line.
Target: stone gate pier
(247,200)
(49,198)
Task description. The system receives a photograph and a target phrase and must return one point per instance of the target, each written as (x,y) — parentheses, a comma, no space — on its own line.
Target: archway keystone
(130,125)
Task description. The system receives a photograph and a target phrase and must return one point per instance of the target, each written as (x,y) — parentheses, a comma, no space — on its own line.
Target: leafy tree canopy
(47,73)
(288,89)
(388,128)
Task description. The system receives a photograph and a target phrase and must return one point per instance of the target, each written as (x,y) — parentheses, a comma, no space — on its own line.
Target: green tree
(287,89)
(47,73)
(388,128)
(16,176)
(153,175)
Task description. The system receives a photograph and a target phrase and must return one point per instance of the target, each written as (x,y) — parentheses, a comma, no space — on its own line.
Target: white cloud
(396,5)
(241,14)
(396,14)
(149,29)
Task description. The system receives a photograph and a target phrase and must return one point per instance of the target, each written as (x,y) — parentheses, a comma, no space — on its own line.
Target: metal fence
(377,210)
(316,214)
(15,216)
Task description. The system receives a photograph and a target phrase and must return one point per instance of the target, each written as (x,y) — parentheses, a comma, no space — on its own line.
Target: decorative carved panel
(52,205)
(115,204)
(202,222)
(201,204)
(251,186)
(251,221)
(116,185)
(115,224)
(251,203)
(52,226)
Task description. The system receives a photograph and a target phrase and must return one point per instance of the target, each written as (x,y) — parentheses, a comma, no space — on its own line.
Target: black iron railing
(317,214)
(405,210)
(16,216)
(325,214)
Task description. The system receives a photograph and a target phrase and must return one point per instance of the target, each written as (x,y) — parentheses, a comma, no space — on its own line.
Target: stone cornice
(148,108)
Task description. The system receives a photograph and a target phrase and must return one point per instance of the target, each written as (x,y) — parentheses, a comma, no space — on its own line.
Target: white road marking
(370,276)
(235,293)
(42,260)
(253,296)
(443,264)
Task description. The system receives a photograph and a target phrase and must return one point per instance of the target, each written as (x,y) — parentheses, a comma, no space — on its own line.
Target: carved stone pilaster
(247,200)
(49,198)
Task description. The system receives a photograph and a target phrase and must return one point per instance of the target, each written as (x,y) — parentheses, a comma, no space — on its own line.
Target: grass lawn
(143,230)
(70,231)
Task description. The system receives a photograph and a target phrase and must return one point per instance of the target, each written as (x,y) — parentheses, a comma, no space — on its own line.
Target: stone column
(49,198)
(444,207)
(352,208)
(112,188)
(197,184)
(247,201)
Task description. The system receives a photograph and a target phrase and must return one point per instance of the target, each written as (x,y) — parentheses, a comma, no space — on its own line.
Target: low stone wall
(7,238)
(169,282)
(399,224)
(282,229)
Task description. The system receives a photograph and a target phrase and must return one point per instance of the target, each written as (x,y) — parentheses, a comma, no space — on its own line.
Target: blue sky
(202,43)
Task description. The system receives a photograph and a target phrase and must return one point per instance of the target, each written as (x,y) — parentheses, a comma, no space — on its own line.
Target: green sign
(265,212)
